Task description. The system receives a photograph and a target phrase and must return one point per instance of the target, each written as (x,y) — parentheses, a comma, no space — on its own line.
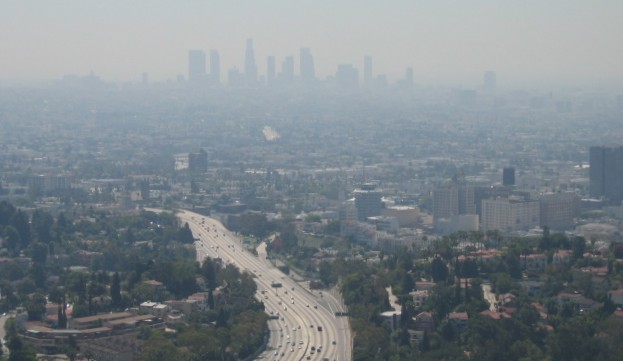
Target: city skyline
(560,42)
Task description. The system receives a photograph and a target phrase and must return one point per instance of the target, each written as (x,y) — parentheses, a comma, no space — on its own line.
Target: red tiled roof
(458,316)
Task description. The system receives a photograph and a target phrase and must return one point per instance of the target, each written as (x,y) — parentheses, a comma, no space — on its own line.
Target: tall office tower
(453,199)
(445,202)
(368,201)
(270,70)
(287,70)
(467,199)
(196,66)
(308,73)
(509,214)
(235,78)
(489,81)
(367,71)
(250,68)
(198,162)
(606,173)
(508,176)
(596,172)
(487,192)
(347,77)
(215,67)
(409,78)
(559,209)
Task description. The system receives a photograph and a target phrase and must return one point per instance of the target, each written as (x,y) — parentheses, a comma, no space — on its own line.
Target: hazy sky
(446,42)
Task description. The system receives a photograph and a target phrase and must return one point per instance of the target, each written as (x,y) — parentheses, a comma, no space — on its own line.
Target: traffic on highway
(303,323)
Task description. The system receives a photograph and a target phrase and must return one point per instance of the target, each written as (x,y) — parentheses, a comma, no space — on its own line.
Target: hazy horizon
(530,42)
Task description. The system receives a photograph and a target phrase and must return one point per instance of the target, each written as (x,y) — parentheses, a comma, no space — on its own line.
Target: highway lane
(300,311)
(227,251)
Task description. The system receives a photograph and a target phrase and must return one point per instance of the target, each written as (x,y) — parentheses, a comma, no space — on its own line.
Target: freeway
(303,324)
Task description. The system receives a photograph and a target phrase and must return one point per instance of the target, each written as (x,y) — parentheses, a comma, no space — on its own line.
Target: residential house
(616,297)
(562,256)
(419,297)
(459,319)
(534,262)
(424,321)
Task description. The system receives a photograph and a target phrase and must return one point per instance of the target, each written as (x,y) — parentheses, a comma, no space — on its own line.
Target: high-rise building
(559,209)
(409,78)
(509,214)
(445,201)
(347,76)
(198,162)
(453,199)
(508,176)
(250,68)
(489,81)
(308,73)
(215,67)
(606,173)
(367,71)
(368,201)
(196,66)
(487,192)
(235,78)
(270,70)
(597,171)
(287,70)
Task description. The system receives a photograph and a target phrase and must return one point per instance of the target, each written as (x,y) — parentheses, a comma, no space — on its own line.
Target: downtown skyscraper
(270,70)
(367,71)
(606,173)
(196,66)
(250,68)
(308,74)
(215,67)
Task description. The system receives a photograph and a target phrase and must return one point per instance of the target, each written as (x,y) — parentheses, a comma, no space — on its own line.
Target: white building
(407,216)
(559,209)
(509,214)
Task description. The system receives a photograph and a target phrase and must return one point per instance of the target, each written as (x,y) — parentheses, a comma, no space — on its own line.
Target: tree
(425,343)
(325,272)
(35,306)
(211,303)
(7,210)
(62,317)
(579,247)
(254,224)
(62,225)
(20,221)
(159,348)
(13,240)
(39,252)
(289,241)
(17,350)
(209,271)
(185,235)
(42,223)
(573,340)
(38,275)
(115,290)
(439,270)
